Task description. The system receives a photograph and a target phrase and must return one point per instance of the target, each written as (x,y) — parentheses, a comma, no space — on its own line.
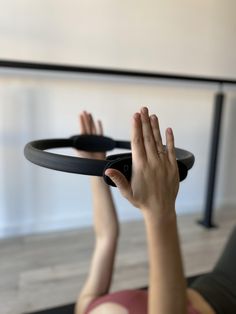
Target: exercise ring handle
(36,153)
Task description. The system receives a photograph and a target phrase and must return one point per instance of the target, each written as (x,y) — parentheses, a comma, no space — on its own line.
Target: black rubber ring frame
(35,152)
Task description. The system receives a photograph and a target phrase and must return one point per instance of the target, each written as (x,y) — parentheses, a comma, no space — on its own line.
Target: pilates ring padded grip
(35,152)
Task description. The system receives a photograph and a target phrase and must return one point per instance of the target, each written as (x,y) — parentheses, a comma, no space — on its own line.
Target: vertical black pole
(207,220)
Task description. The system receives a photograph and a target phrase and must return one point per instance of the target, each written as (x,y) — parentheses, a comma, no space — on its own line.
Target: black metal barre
(22,65)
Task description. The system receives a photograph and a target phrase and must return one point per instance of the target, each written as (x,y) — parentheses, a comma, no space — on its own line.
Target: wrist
(157,215)
(99,181)
(96,179)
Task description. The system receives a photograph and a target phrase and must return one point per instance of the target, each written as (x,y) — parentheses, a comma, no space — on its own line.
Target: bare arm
(106,235)
(106,230)
(167,286)
(153,189)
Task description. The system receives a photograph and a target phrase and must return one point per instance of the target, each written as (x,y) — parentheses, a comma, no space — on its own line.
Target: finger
(120,181)
(137,145)
(86,120)
(82,124)
(92,124)
(170,146)
(148,137)
(100,127)
(156,133)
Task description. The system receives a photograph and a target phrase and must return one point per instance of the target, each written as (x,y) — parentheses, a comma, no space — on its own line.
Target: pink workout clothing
(135,301)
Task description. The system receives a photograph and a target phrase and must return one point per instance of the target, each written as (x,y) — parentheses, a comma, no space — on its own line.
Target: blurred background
(176,37)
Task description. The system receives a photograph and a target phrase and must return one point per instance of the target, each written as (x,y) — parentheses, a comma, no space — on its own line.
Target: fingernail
(136,116)
(153,117)
(169,130)
(144,110)
(107,173)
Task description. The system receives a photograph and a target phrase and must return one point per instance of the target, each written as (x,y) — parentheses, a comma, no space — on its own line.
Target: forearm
(100,274)
(106,236)
(167,286)
(104,212)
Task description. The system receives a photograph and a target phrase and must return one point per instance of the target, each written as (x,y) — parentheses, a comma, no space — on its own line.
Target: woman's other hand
(155,179)
(89,127)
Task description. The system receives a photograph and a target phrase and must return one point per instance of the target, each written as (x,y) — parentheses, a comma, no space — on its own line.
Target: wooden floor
(43,271)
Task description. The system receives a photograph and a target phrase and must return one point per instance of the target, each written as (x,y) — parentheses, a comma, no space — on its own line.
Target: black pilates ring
(35,152)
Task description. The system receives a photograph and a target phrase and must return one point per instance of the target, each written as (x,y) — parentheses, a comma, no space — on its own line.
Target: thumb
(120,181)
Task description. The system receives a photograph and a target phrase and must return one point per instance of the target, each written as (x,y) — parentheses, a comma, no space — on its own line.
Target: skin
(153,190)
(106,228)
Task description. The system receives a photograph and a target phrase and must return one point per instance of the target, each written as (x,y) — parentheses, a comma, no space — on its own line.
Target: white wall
(37,199)
(183,36)
(176,36)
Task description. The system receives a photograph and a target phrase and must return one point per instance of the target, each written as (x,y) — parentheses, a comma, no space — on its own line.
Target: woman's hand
(155,178)
(88,126)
